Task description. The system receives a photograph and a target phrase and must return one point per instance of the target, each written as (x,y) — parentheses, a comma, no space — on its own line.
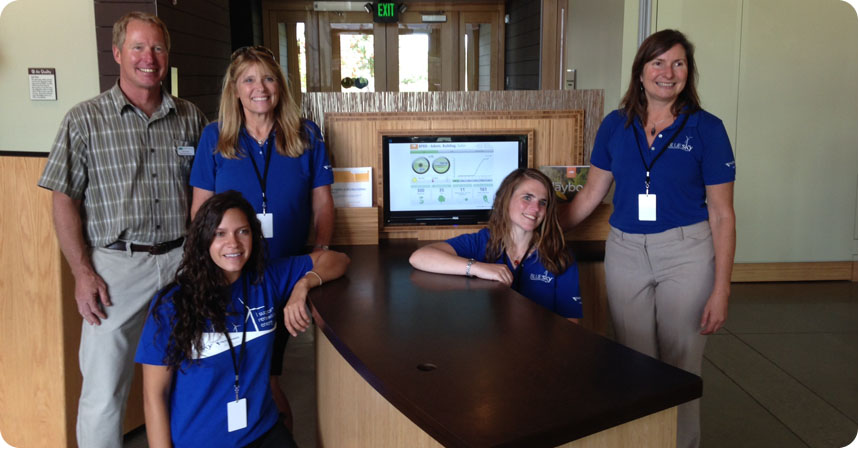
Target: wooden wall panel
(39,399)
(37,368)
(200,45)
(355,140)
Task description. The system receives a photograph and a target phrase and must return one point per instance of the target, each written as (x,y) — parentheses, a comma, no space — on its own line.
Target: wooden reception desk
(411,359)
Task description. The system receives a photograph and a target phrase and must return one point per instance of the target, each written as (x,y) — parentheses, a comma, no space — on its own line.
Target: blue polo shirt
(557,293)
(201,391)
(288,186)
(699,156)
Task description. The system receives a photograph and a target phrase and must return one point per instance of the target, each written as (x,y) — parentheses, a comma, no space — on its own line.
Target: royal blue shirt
(699,156)
(201,391)
(557,293)
(288,186)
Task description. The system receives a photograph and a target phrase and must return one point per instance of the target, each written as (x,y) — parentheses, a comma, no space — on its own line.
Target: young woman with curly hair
(523,247)
(207,342)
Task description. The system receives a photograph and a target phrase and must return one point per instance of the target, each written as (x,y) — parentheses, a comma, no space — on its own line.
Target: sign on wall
(43,83)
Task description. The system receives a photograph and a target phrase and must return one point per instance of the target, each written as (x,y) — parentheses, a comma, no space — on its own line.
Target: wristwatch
(322,247)
(469,267)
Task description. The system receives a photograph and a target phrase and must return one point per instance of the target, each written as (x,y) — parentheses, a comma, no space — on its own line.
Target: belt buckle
(159,249)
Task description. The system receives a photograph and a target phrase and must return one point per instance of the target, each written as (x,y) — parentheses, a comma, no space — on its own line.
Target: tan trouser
(657,286)
(106,353)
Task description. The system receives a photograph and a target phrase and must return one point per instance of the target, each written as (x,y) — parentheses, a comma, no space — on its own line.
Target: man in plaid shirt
(119,171)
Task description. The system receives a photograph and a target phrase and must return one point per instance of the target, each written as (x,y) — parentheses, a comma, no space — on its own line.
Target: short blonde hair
(120,26)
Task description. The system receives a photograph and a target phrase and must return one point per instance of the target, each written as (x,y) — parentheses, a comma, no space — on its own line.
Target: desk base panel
(351,413)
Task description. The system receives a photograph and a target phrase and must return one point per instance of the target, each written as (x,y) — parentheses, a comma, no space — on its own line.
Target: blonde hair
(548,239)
(121,25)
(290,137)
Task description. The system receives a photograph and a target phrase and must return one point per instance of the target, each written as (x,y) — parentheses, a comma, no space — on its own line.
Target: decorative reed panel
(316,105)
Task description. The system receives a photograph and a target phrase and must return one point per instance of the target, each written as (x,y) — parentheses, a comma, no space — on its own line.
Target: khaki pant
(657,286)
(107,351)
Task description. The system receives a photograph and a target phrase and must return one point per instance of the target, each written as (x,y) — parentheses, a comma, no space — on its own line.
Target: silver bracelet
(315,274)
(469,267)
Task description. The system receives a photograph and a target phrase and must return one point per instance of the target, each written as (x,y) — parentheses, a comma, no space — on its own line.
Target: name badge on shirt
(266,223)
(185,150)
(647,207)
(237,415)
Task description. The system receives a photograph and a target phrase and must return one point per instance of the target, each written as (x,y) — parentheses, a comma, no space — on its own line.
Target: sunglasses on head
(250,49)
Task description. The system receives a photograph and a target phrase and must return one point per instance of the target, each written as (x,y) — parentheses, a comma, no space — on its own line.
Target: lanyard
(665,146)
(262,179)
(242,350)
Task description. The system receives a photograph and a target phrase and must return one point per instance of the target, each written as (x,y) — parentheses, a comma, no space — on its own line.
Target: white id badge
(185,150)
(266,223)
(647,207)
(237,415)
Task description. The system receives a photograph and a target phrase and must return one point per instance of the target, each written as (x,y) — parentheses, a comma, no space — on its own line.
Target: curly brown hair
(548,239)
(204,292)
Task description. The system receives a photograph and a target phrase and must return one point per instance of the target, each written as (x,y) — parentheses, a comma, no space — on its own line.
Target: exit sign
(385,11)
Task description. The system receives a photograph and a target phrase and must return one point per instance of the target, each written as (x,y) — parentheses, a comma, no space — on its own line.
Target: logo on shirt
(730,164)
(327,167)
(544,277)
(576,299)
(685,146)
(259,322)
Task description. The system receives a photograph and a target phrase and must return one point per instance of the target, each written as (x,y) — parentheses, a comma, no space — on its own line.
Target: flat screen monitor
(446,179)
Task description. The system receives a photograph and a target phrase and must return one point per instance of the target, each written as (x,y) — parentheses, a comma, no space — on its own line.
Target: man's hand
(91,294)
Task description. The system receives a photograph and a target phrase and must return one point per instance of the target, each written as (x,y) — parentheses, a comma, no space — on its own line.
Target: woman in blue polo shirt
(672,240)
(206,345)
(262,148)
(523,247)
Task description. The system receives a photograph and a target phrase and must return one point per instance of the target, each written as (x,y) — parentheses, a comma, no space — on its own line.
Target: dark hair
(204,292)
(548,238)
(634,103)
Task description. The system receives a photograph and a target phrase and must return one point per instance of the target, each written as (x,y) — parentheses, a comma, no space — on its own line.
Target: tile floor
(781,373)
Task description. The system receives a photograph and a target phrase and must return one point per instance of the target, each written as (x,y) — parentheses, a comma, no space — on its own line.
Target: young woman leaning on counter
(523,247)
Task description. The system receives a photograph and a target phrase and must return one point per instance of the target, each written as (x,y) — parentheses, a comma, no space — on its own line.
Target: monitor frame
(524,138)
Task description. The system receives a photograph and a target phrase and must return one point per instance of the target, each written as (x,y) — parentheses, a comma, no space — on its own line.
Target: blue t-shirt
(701,155)
(201,391)
(288,185)
(557,293)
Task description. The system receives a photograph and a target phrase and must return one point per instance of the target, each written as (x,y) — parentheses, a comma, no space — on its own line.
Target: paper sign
(352,187)
(43,84)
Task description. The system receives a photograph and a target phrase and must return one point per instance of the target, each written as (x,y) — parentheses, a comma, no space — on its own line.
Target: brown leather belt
(157,249)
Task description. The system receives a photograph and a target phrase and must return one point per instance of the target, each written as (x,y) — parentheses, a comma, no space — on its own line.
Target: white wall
(593,43)
(56,34)
(782,74)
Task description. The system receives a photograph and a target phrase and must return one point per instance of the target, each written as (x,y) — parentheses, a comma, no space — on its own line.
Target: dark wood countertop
(505,371)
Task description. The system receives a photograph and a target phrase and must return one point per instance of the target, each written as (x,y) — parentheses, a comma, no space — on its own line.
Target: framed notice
(43,83)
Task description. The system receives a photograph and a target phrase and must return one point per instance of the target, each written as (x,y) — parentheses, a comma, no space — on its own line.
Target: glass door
(480,43)
(424,55)
(348,52)
(459,48)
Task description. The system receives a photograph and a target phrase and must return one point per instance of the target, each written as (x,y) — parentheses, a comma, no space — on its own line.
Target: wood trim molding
(795,271)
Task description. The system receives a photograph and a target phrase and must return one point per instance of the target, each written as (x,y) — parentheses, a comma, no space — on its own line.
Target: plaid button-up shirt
(130,170)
